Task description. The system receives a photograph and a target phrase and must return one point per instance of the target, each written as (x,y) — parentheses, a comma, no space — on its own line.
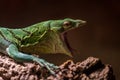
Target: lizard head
(56,39)
(66,24)
(62,27)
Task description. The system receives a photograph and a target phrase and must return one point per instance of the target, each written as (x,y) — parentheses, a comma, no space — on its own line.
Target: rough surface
(89,69)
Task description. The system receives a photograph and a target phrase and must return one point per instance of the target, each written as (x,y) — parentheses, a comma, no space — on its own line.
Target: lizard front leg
(13,52)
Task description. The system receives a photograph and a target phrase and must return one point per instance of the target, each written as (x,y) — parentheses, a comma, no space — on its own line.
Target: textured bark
(89,69)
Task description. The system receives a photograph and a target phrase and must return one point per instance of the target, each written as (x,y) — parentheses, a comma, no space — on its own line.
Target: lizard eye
(66,24)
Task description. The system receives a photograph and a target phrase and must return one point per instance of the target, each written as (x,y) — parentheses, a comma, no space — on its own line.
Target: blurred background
(100,37)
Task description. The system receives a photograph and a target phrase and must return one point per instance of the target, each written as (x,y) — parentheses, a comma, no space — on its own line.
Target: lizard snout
(80,23)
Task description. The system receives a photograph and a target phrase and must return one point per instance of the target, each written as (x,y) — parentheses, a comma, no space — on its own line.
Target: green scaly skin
(41,38)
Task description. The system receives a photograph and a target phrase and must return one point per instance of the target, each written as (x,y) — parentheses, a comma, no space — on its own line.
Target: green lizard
(44,37)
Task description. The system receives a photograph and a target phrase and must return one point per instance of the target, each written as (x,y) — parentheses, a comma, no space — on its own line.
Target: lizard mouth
(65,40)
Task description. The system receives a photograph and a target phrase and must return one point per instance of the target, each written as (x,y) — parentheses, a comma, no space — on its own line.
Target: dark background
(99,38)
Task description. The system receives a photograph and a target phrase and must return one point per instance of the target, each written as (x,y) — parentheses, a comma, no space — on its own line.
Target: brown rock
(89,69)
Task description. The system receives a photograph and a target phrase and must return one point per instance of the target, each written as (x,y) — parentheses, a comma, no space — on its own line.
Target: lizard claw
(50,67)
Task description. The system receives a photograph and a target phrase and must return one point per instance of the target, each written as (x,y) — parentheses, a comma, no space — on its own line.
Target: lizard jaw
(65,40)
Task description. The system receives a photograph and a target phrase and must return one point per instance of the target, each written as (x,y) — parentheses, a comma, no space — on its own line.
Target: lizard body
(44,37)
